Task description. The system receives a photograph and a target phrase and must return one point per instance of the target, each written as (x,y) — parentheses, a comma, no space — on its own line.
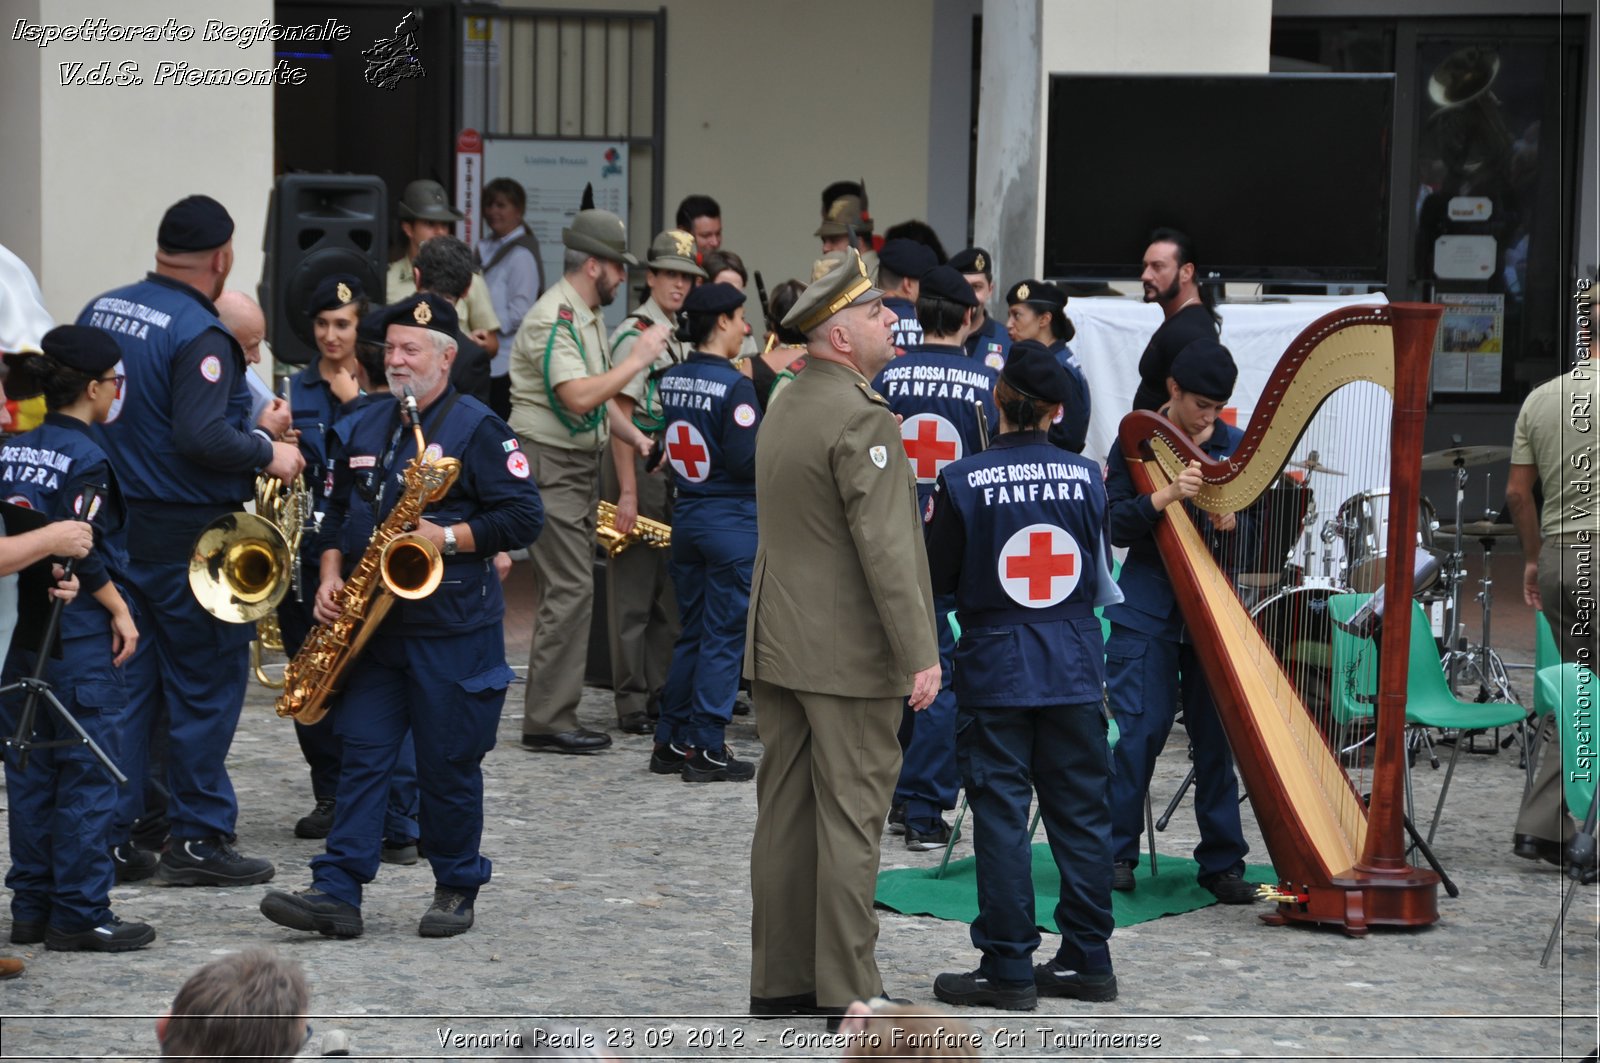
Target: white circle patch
(211,368)
(994,360)
(20,501)
(433,453)
(932,442)
(1040,565)
(744,415)
(517,464)
(687,452)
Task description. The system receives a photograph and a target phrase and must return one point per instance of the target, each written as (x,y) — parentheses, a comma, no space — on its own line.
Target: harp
(1339,859)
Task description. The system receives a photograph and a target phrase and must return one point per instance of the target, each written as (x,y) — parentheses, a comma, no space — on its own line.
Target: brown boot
(10,968)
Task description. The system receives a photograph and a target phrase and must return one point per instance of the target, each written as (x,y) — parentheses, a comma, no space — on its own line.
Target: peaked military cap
(424,200)
(194,223)
(599,233)
(674,250)
(1207,368)
(1032,370)
(845,285)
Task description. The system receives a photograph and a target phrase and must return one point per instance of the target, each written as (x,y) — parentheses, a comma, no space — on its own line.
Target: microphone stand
(38,688)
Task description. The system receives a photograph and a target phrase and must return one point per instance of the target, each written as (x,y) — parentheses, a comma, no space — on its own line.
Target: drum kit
(1302,569)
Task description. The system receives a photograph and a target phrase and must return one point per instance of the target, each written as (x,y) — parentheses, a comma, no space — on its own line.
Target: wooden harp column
(1338,860)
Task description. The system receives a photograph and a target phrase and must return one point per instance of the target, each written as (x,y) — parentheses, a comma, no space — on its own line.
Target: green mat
(915,891)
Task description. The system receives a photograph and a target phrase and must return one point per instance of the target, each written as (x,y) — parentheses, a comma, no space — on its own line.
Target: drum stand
(1479,660)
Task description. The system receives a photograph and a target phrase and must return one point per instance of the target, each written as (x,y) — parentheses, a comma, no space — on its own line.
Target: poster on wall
(554,173)
(1469,347)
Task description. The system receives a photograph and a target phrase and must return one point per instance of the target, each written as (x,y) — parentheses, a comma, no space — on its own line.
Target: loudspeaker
(319,224)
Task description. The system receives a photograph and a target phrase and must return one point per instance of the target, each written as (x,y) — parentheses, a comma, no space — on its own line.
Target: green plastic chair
(1429,700)
(1545,697)
(1572,689)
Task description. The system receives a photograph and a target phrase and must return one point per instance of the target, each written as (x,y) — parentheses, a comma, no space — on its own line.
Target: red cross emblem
(687,453)
(931,443)
(1040,565)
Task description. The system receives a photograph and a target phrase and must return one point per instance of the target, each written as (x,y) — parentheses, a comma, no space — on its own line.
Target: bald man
(242,316)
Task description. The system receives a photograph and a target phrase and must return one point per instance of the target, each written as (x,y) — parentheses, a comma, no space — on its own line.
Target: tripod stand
(38,689)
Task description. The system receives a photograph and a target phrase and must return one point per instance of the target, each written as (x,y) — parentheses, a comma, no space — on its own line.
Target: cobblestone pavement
(624,896)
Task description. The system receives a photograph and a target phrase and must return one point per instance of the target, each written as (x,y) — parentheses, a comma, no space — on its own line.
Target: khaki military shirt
(647,403)
(840,599)
(562,338)
(1556,432)
(475,309)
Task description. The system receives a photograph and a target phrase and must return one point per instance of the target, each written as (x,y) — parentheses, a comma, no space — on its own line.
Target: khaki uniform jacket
(840,600)
(562,324)
(474,311)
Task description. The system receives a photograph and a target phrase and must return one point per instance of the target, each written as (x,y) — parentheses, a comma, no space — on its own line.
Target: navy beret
(90,351)
(422,310)
(333,292)
(947,283)
(1040,294)
(973,260)
(907,258)
(194,223)
(713,299)
(1205,367)
(1032,370)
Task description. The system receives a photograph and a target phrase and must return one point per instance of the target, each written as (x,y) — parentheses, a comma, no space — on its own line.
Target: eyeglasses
(116,379)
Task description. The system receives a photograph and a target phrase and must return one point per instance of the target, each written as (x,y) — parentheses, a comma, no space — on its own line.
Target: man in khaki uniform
(1553,447)
(641,612)
(425,212)
(841,629)
(562,379)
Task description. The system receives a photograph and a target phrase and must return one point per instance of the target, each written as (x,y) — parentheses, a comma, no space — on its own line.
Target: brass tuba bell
(241,567)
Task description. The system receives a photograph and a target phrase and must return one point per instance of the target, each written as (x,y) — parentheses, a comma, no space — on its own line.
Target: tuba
(647,531)
(398,563)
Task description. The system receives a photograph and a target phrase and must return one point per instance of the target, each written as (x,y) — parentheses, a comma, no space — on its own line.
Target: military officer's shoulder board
(872,396)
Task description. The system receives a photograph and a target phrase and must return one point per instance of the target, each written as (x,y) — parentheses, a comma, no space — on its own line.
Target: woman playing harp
(1337,854)
(1150,660)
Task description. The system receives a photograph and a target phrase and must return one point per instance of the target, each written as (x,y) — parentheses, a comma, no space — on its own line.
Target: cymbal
(1479,529)
(1311,464)
(1448,459)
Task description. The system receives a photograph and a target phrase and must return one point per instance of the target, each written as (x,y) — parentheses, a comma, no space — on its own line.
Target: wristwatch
(449,542)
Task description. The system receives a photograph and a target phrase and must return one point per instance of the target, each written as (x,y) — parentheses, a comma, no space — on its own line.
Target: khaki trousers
(641,611)
(1544,810)
(827,775)
(563,567)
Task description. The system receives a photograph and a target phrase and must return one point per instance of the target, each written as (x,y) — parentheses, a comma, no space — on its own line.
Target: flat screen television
(1277,178)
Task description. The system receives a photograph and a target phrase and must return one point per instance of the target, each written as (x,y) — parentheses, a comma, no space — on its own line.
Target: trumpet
(649,532)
